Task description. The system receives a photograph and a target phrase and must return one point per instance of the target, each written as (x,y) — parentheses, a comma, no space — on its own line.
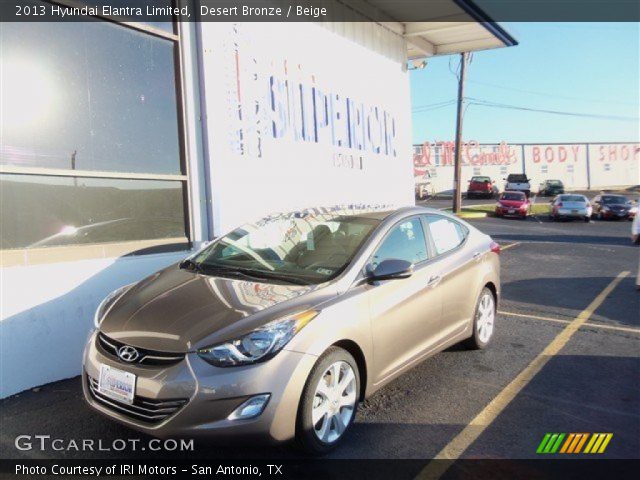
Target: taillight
(495,247)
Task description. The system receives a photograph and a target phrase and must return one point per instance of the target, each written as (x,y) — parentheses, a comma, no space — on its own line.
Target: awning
(442,27)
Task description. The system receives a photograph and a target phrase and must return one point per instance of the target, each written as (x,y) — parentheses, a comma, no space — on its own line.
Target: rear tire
(330,397)
(483,321)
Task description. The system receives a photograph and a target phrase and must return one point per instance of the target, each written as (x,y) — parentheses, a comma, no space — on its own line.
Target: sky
(586,68)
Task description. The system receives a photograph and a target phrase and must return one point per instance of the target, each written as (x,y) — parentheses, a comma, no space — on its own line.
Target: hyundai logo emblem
(128,354)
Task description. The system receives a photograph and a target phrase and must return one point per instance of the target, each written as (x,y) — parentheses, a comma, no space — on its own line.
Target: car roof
(371,213)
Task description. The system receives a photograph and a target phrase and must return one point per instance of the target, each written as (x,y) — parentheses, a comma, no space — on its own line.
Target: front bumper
(210,394)
(479,193)
(511,212)
(611,214)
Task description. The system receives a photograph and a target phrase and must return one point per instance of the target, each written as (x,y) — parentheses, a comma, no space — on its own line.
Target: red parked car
(513,204)
(480,187)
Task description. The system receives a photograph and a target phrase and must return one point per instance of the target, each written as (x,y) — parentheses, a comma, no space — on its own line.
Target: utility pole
(457,173)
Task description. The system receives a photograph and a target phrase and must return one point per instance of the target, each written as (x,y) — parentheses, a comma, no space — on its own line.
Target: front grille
(146,357)
(148,410)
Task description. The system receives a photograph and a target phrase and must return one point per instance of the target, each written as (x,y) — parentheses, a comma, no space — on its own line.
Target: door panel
(457,264)
(405,320)
(405,313)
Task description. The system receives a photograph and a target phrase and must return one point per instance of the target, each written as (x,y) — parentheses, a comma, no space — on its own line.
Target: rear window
(554,182)
(512,196)
(517,178)
(573,198)
(480,179)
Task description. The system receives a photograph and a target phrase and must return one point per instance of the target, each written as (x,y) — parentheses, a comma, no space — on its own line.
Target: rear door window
(446,234)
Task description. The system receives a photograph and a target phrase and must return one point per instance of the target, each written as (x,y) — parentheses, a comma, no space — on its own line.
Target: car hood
(176,310)
(617,206)
(512,203)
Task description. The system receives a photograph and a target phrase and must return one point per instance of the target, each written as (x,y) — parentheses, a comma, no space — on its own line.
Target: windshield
(555,183)
(296,248)
(573,198)
(480,179)
(612,199)
(512,196)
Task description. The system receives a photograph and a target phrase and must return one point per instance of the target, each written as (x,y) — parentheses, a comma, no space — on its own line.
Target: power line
(432,106)
(549,95)
(487,103)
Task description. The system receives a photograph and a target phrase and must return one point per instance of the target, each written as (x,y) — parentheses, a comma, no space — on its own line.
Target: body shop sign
(473,153)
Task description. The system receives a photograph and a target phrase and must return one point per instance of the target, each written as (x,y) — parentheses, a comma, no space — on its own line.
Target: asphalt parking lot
(551,275)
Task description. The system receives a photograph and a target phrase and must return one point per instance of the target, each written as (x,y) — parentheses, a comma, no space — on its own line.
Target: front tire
(329,402)
(483,321)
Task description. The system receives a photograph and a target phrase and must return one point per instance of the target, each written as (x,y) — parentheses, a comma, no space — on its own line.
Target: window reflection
(42,211)
(163,22)
(88,96)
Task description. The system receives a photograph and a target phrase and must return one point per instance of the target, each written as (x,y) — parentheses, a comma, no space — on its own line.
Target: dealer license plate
(511,210)
(117,384)
(574,211)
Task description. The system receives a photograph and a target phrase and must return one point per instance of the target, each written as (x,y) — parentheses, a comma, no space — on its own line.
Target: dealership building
(126,145)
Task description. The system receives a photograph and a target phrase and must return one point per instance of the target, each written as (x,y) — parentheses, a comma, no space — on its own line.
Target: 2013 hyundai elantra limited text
(279,329)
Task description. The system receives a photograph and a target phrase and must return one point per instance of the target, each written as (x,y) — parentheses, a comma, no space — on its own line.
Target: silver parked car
(570,206)
(277,330)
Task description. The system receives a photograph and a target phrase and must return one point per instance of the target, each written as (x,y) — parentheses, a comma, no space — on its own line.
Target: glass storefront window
(47,211)
(91,140)
(88,96)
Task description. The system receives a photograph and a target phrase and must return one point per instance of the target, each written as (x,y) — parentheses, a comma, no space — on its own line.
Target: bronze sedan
(279,329)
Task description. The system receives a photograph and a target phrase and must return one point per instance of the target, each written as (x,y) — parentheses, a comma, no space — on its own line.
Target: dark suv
(551,188)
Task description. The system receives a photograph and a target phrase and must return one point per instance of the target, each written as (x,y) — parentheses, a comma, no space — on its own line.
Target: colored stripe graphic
(574,443)
(543,443)
(550,443)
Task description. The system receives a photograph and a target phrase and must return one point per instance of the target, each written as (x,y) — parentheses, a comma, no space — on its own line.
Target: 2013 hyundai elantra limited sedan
(279,329)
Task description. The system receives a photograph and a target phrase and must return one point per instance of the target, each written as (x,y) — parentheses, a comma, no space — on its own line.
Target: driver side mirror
(390,269)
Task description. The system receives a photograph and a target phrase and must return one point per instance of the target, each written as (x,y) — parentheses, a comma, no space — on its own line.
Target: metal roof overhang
(445,26)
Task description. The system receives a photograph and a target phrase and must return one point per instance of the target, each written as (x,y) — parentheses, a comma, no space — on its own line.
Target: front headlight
(107,303)
(605,209)
(258,345)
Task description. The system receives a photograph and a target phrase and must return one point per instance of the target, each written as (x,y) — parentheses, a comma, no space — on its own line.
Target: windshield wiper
(188,264)
(250,274)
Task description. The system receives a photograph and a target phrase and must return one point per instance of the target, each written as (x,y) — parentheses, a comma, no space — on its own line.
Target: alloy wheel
(485,317)
(334,402)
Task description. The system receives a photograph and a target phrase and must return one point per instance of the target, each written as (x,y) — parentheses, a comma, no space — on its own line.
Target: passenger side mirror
(391,269)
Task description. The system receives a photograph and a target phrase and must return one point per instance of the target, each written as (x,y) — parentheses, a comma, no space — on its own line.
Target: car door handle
(477,255)
(433,281)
